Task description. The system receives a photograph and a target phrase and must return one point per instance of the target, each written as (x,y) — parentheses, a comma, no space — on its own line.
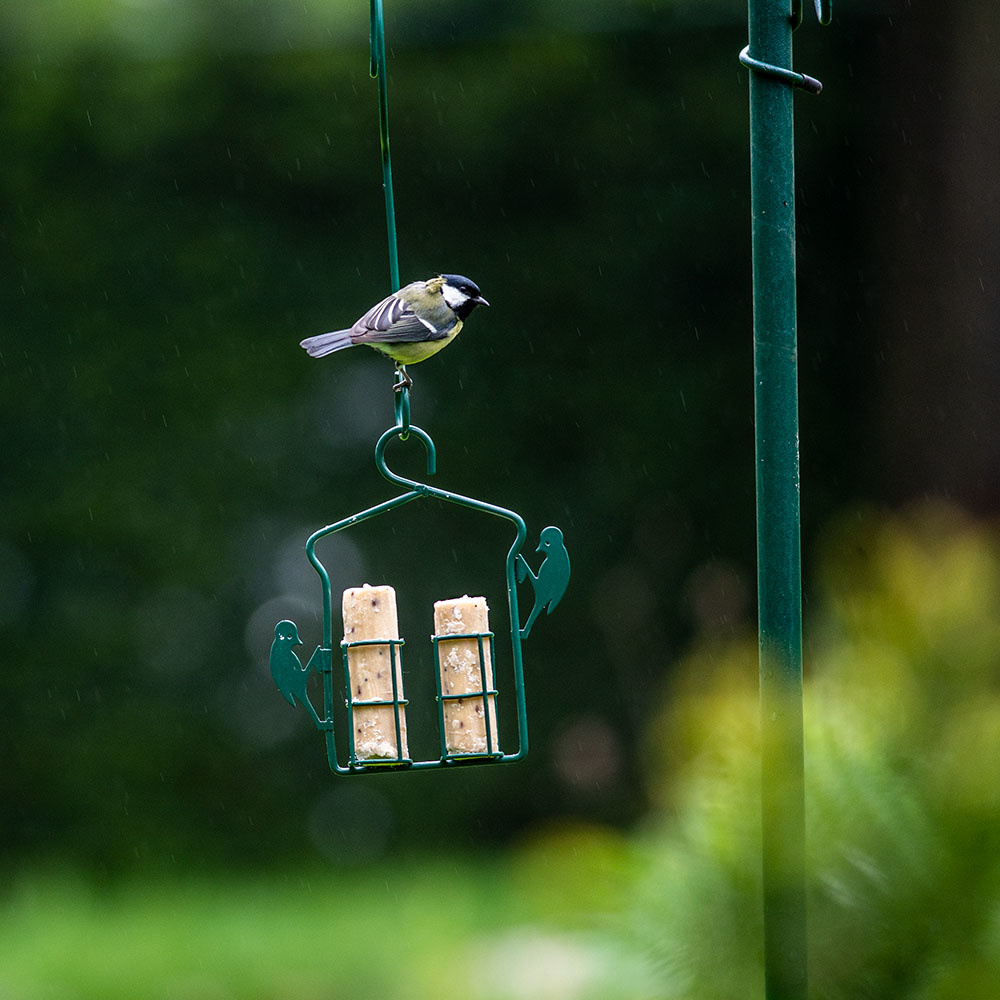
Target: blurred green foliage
(902,770)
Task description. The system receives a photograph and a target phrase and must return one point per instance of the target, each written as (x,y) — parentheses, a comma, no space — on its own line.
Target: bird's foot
(404,379)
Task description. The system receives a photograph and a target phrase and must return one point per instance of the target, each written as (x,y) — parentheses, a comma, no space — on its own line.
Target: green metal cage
(548,583)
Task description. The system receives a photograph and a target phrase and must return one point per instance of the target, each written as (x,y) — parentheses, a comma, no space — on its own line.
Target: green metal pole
(778,547)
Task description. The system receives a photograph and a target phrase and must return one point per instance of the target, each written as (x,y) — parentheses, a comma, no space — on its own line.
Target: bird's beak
(480,301)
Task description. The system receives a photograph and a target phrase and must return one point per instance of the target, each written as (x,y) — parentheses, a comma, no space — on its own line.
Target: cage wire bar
(779,573)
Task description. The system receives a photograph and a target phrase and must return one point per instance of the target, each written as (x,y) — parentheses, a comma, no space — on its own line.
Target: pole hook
(824,14)
(807,83)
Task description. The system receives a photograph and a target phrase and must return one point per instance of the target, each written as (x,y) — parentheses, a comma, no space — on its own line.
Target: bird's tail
(326,343)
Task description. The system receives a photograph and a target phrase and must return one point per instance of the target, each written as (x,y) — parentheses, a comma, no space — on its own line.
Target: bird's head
(461,294)
(550,536)
(287,632)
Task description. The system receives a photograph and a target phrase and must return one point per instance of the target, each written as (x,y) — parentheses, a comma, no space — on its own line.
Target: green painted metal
(377,70)
(548,583)
(485,693)
(779,583)
(395,702)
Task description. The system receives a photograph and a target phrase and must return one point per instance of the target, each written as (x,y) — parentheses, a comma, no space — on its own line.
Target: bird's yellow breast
(410,354)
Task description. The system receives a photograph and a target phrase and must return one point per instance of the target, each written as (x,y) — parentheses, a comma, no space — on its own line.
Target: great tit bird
(410,325)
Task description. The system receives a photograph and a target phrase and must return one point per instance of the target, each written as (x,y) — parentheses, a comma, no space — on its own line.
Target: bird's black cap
(463,284)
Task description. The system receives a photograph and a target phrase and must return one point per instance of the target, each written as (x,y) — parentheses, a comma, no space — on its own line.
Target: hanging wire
(377,71)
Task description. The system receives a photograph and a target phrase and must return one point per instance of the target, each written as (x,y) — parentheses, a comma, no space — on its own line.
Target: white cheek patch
(453,296)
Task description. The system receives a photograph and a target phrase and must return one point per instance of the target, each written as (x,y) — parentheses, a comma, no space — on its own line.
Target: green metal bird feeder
(464,648)
(463,652)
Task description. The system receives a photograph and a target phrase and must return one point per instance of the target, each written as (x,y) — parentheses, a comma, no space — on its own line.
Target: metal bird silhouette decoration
(287,669)
(552,578)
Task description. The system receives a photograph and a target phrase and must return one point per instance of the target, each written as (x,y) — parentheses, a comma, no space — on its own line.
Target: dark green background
(181,207)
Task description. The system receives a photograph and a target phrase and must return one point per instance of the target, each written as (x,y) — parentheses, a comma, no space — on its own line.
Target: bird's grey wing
(393,321)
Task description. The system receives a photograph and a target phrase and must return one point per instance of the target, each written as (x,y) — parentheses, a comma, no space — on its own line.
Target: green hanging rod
(377,71)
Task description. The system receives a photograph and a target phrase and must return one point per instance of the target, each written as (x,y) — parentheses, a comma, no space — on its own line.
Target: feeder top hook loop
(402,480)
